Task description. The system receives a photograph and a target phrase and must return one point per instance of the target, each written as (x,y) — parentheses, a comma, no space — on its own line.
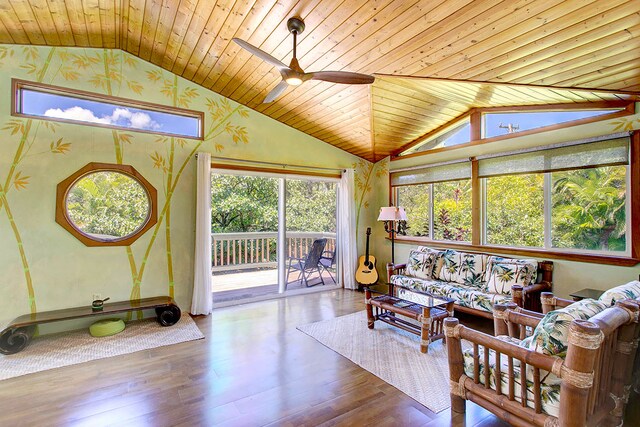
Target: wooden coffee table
(427,309)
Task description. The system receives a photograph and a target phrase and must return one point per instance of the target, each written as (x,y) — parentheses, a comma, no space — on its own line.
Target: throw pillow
(502,273)
(626,291)
(420,264)
(552,333)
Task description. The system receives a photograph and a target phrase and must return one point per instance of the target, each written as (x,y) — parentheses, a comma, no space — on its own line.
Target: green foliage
(515,210)
(108,203)
(248,203)
(589,208)
(415,200)
(452,205)
(243,204)
(311,206)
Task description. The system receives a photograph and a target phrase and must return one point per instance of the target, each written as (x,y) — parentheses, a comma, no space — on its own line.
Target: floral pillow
(502,273)
(626,291)
(421,263)
(552,333)
(463,268)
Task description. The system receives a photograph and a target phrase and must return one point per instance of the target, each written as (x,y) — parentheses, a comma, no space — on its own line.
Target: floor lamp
(395,222)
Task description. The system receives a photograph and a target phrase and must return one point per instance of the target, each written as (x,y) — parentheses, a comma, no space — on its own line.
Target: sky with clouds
(65,107)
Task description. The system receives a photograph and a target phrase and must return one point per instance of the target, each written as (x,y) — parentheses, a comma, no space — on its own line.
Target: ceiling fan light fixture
(294,81)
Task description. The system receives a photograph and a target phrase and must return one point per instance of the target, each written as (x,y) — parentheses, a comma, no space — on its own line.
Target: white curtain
(202,298)
(347,246)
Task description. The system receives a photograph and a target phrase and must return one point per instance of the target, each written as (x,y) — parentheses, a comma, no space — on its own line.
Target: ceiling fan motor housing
(295,25)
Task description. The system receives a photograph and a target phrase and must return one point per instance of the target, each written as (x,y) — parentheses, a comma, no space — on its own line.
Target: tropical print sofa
(475,281)
(537,358)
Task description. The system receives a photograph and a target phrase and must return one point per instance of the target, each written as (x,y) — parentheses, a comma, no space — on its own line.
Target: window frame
(475,116)
(631,257)
(547,189)
(17,85)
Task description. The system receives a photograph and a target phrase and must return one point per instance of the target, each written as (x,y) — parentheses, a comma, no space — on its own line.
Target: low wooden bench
(17,335)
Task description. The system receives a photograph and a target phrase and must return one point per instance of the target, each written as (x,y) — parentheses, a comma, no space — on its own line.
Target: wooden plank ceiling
(590,44)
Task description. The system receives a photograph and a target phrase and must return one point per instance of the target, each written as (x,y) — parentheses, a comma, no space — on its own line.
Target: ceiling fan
(294,75)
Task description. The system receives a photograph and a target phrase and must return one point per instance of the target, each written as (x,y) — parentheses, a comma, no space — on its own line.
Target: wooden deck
(232,286)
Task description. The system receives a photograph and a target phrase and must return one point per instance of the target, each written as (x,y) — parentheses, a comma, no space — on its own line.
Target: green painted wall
(568,276)
(43,266)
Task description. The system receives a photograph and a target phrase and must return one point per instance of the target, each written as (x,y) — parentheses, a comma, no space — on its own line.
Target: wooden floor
(254,368)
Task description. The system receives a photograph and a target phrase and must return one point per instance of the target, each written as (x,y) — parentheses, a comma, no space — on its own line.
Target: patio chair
(327,261)
(309,263)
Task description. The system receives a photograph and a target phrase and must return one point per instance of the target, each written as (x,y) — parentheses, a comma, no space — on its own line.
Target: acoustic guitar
(366,274)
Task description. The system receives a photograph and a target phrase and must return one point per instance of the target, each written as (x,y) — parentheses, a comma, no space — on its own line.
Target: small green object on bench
(106,327)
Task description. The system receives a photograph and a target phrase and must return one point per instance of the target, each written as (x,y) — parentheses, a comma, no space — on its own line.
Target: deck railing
(237,251)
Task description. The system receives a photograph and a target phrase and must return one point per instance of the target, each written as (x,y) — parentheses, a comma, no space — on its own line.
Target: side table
(586,293)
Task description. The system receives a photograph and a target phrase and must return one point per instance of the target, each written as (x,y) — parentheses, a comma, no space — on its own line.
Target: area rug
(391,354)
(73,347)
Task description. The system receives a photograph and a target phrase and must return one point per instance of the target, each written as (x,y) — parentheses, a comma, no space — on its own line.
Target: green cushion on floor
(106,327)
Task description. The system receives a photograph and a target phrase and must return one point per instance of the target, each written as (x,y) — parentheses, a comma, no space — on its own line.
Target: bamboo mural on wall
(104,71)
(364,177)
(26,133)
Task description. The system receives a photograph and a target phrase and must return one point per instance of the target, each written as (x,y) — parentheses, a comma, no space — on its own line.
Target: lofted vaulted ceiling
(590,44)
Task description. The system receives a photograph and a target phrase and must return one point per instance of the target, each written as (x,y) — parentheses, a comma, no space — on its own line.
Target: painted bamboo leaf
(135,87)
(622,124)
(155,75)
(99,81)
(52,126)
(19,181)
(69,74)
(130,61)
(31,53)
(159,161)
(59,147)
(6,51)
(14,126)
(125,137)
(30,68)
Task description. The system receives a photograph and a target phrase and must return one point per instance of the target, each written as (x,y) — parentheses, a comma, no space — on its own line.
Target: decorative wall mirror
(106,204)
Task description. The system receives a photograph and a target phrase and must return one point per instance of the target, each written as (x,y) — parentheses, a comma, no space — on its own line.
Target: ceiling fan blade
(276,92)
(260,54)
(343,77)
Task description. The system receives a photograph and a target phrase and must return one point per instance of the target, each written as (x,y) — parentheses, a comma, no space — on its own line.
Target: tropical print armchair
(576,366)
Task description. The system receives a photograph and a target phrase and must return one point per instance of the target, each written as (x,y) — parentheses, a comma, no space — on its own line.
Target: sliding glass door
(265,228)
(244,235)
(311,225)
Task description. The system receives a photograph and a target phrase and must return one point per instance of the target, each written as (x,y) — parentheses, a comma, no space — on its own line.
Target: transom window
(456,134)
(503,123)
(46,102)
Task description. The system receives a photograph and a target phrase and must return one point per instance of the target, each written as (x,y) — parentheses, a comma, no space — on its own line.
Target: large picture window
(572,197)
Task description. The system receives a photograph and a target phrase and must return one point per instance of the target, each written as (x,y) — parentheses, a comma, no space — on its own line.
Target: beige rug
(390,354)
(73,347)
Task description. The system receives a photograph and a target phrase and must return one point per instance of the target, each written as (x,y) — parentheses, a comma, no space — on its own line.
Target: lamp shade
(392,213)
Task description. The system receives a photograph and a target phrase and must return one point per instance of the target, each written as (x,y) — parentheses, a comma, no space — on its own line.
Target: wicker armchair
(593,378)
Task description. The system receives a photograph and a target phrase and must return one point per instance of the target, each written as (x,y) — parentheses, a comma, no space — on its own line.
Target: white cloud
(120,117)
(76,113)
